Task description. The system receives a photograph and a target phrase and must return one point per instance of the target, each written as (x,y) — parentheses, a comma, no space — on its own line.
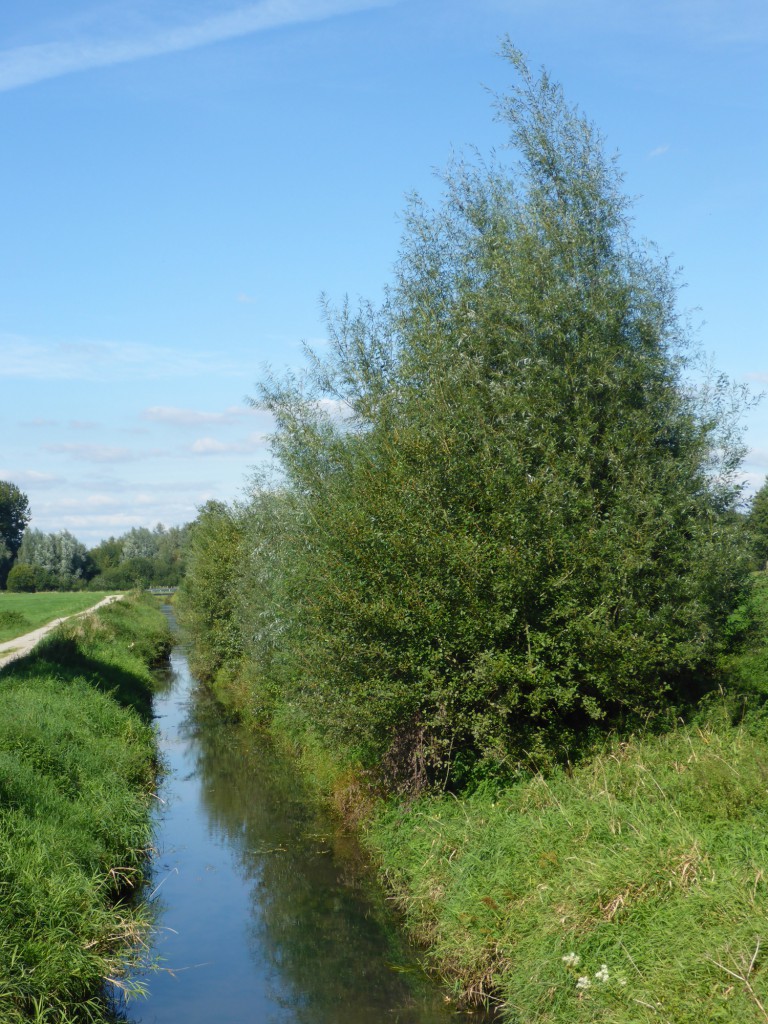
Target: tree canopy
(14,517)
(757,525)
(59,559)
(506,517)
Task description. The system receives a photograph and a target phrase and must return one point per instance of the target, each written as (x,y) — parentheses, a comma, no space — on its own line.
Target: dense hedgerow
(505,520)
(77,767)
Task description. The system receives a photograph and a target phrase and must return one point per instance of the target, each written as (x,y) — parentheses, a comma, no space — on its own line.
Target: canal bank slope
(77,770)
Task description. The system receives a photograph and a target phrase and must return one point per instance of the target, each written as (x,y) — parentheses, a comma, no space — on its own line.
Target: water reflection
(266,912)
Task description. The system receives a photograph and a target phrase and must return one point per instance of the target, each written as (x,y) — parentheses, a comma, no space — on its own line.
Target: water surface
(267,911)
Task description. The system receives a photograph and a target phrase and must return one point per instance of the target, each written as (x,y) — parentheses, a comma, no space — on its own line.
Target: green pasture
(21,613)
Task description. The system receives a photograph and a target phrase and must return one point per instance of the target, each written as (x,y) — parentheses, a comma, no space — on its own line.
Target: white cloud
(30,477)
(757,457)
(89,501)
(336,408)
(193,417)
(212,446)
(84,425)
(25,65)
(658,151)
(105,361)
(93,452)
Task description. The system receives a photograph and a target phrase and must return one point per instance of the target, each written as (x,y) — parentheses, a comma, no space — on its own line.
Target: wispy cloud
(212,446)
(657,152)
(30,477)
(192,417)
(28,358)
(757,458)
(26,65)
(94,452)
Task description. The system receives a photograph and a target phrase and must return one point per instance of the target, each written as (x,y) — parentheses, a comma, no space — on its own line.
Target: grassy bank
(21,613)
(77,767)
(633,888)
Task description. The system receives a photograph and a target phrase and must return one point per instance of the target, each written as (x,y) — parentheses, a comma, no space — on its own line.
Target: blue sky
(181,181)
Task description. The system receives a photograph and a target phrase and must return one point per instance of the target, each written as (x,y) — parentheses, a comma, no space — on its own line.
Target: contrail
(26,65)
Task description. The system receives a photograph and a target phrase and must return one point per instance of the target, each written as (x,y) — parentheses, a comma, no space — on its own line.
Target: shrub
(22,579)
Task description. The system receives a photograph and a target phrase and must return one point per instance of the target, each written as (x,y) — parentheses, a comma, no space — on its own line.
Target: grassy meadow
(77,770)
(21,613)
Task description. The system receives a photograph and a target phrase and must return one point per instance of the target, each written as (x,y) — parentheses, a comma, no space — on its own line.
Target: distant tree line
(14,517)
(506,519)
(32,560)
(142,557)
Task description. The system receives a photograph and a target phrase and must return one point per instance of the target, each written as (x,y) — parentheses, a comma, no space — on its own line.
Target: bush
(506,518)
(22,579)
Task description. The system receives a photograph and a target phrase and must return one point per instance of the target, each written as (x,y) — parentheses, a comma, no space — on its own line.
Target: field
(21,613)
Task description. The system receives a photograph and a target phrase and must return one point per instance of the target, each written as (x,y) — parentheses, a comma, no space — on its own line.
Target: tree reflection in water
(274,913)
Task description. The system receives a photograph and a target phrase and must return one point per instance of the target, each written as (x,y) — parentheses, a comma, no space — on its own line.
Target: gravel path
(20,645)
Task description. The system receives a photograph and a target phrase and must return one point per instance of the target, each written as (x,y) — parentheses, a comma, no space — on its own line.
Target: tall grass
(77,768)
(652,860)
(632,889)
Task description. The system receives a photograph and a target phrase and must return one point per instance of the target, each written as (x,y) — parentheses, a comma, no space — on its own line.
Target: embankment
(77,770)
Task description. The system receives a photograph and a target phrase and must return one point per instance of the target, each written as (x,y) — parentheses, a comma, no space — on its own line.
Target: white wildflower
(602,974)
(571,960)
(583,982)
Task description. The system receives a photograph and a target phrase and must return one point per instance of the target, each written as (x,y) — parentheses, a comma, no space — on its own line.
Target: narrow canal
(266,911)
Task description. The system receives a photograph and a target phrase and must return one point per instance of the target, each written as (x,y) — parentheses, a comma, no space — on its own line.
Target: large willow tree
(514,520)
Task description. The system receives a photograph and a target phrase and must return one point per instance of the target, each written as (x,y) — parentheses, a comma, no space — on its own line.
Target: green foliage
(142,558)
(12,623)
(208,598)
(744,666)
(60,561)
(14,517)
(506,518)
(22,578)
(757,526)
(648,860)
(108,554)
(76,773)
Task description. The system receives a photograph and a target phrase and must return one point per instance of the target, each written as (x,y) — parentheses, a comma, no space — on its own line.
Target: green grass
(651,858)
(77,769)
(21,613)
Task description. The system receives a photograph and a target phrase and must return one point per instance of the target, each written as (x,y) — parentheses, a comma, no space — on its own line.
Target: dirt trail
(21,645)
